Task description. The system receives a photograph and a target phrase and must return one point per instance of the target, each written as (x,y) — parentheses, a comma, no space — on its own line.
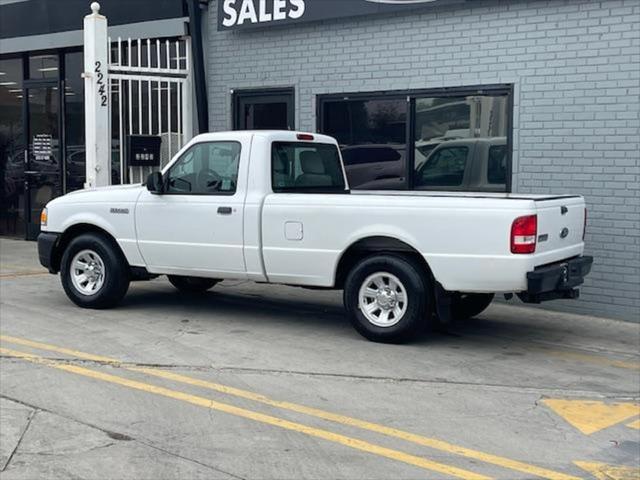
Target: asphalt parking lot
(268,382)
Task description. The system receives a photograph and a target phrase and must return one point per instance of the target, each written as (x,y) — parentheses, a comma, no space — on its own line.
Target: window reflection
(11,148)
(74,121)
(444,168)
(43,66)
(372,137)
(461,143)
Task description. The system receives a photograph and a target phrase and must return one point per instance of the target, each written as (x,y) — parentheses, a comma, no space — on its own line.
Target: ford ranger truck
(275,207)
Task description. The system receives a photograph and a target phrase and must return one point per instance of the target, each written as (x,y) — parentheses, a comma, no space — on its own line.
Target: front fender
(110,218)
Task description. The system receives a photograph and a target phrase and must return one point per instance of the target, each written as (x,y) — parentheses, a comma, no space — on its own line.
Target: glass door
(264,110)
(43,171)
(12,195)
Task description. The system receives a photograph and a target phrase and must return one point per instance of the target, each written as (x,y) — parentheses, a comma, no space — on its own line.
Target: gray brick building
(568,70)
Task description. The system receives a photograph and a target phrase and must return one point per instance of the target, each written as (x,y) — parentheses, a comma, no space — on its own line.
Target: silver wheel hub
(387,299)
(87,272)
(382,299)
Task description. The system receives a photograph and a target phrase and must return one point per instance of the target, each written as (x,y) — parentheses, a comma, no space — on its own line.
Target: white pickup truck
(275,207)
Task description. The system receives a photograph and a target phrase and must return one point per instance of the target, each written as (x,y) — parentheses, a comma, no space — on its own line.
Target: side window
(497,165)
(207,168)
(444,168)
(306,167)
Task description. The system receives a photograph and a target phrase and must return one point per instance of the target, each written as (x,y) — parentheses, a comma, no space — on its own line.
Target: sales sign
(233,14)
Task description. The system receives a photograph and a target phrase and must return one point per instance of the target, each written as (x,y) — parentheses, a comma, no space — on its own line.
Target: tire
(400,278)
(467,305)
(106,265)
(192,284)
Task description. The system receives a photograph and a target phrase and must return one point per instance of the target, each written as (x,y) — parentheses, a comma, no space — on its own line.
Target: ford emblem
(564,233)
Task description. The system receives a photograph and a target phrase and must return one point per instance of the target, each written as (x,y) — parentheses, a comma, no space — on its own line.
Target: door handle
(224,210)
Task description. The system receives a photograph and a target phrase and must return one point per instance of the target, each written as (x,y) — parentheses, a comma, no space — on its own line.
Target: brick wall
(575,67)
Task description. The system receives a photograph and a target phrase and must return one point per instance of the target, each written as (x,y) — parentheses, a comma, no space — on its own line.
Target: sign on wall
(233,14)
(143,150)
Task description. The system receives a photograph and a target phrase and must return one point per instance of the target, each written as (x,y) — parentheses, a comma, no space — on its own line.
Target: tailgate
(560,227)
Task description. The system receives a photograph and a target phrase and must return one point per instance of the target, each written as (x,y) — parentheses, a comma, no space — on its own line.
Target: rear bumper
(46,249)
(557,280)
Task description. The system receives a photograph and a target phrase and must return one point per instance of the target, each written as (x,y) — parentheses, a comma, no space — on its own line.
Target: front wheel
(192,284)
(386,299)
(467,305)
(94,273)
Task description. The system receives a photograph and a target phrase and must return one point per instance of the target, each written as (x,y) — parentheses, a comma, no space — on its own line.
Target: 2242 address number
(102,89)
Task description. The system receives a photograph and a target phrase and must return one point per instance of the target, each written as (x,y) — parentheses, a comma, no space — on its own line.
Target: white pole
(96,100)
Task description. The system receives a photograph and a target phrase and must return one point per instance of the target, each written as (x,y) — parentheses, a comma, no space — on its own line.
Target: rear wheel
(468,305)
(386,298)
(192,284)
(94,273)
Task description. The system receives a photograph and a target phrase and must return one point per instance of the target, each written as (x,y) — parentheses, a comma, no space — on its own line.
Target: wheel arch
(74,231)
(376,244)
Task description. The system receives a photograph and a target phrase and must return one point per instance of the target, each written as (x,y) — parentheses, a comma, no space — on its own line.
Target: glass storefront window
(43,168)
(461,143)
(372,137)
(74,121)
(457,142)
(12,198)
(43,66)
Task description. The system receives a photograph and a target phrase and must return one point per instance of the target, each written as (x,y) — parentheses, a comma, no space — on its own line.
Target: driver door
(195,227)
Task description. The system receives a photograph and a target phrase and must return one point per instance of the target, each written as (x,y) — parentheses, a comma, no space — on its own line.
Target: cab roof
(270,135)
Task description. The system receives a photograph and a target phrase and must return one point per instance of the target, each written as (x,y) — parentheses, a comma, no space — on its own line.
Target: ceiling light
(2,73)
(6,84)
(48,69)
(15,90)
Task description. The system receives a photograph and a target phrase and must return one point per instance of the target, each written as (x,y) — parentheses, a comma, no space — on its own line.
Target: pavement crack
(561,389)
(192,460)
(109,433)
(58,454)
(32,414)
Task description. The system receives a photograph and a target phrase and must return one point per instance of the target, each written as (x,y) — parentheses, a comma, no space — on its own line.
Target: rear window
(306,167)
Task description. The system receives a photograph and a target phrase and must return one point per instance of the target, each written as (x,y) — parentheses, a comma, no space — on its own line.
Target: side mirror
(155,183)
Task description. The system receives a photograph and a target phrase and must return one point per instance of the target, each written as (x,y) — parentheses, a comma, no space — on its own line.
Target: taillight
(305,136)
(584,227)
(524,231)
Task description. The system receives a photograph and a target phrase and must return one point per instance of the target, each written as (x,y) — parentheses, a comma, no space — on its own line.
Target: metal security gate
(149,94)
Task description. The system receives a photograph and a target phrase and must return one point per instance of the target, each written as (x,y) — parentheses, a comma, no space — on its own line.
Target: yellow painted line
(53,348)
(590,416)
(255,416)
(635,424)
(594,359)
(602,471)
(314,412)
